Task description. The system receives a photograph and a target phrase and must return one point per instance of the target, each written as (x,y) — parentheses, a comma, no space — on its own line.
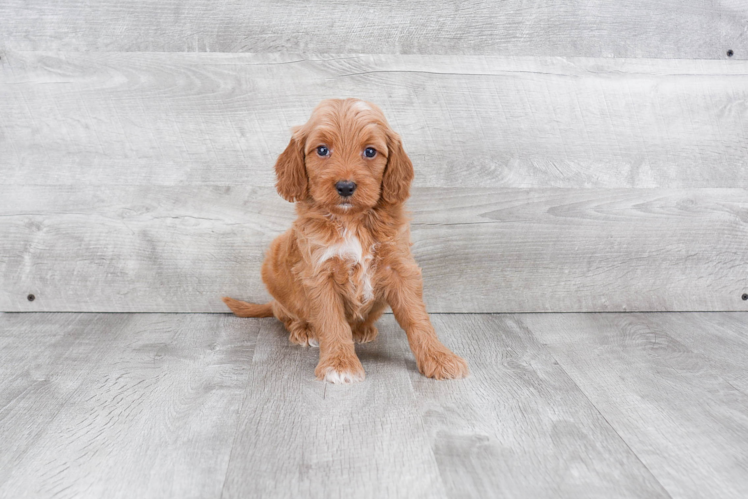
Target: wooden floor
(208,405)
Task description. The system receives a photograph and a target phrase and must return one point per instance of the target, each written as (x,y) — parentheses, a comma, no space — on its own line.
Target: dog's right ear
(290,170)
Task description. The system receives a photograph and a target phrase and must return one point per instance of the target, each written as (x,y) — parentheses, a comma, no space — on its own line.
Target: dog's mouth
(345,205)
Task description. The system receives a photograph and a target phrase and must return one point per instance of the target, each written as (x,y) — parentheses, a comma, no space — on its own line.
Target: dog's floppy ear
(398,173)
(290,170)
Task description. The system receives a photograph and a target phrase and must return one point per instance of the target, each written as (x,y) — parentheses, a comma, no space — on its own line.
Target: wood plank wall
(584,156)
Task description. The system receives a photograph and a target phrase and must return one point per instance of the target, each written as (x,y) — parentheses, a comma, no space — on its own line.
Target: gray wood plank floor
(635,405)
(152,413)
(674,407)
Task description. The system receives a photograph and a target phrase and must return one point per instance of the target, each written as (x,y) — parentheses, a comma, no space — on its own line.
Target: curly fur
(344,260)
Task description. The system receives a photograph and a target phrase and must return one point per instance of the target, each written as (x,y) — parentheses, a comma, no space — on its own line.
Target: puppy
(347,255)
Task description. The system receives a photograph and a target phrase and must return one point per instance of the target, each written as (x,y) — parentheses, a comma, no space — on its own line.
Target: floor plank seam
(698,355)
(237,423)
(422,424)
(540,416)
(597,410)
(736,388)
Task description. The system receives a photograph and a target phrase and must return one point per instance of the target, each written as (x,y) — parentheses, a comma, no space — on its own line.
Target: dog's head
(346,158)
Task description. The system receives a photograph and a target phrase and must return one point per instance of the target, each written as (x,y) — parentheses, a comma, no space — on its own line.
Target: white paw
(335,377)
(313,342)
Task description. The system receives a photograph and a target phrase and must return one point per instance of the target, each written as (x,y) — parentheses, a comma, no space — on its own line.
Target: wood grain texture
(519,427)
(685,421)
(44,358)
(630,28)
(722,339)
(155,118)
(302,438)
(153,417)
(557,405)
(180,248)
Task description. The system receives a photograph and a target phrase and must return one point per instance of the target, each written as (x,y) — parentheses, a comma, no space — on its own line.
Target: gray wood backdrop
(576,156)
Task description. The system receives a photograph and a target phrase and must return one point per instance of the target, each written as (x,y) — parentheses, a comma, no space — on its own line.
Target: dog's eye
(370,152)
(323,151)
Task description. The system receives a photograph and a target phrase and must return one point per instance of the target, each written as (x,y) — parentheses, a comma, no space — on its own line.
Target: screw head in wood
(744,296)
(730,53)
(31,297)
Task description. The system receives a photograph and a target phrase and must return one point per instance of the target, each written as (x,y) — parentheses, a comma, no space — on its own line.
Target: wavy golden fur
(347,256)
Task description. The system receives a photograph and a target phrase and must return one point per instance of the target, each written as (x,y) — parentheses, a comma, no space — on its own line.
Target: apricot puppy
(347,254)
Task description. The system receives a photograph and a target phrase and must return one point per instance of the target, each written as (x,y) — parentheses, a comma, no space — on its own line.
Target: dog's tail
(249,310)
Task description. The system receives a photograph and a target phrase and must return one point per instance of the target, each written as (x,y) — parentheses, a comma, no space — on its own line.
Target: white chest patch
(349,249)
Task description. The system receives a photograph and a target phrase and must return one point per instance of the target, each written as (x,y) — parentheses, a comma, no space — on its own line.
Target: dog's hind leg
(300,332)
(365,331)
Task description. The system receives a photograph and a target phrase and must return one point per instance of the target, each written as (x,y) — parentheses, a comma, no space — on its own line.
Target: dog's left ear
(290,170)
(398,174)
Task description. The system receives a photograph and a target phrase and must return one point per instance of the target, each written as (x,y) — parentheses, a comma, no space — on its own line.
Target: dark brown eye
(370,152)
(323,151)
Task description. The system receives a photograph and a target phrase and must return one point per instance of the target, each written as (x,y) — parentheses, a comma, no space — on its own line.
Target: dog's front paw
(362,335)
(340,369)
(441,363)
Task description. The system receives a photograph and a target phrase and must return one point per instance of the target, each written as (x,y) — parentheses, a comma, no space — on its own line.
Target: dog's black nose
(345,188)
